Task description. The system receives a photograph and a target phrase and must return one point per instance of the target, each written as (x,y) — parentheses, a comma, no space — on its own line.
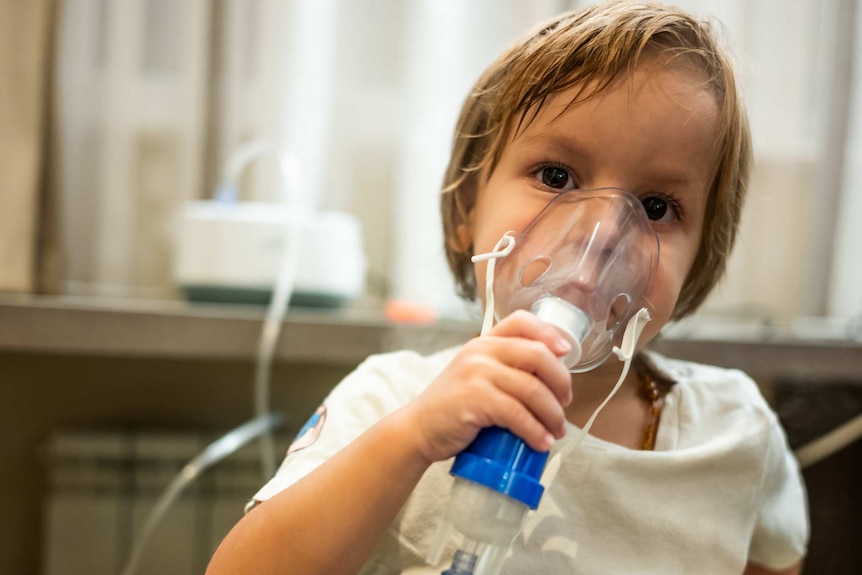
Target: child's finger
(514,416)
(516,377)
(527,390)
(533,357)
(524,324)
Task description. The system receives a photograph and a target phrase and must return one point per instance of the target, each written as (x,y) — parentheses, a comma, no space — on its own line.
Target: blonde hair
(593,47)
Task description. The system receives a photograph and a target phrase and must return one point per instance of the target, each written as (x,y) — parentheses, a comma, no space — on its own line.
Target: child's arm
(331,520)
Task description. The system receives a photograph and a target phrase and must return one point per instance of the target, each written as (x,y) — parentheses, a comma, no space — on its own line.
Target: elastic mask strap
(503,248)
(625,354)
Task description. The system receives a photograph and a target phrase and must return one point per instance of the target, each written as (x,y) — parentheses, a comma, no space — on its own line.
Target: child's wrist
(401,429)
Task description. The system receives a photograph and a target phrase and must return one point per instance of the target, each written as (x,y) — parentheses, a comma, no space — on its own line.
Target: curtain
(25,40)
(129,110)
(152,96)
(846,272)
(794,59)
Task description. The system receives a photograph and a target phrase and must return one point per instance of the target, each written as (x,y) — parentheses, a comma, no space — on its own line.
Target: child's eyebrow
(674,178)
(681,177)
(567,143)
(683,185)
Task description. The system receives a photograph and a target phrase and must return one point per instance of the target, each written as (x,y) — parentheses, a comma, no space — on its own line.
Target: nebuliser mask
(584,265)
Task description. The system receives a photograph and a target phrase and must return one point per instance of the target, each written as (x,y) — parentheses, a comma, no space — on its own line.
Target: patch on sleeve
(309,432)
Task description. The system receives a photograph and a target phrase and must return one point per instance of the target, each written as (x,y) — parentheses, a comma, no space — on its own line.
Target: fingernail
(547,442)
(563,345)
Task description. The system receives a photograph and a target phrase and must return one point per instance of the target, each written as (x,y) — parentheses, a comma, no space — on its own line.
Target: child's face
(652,133)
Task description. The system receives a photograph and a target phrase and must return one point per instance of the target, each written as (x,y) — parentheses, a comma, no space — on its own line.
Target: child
(693,477)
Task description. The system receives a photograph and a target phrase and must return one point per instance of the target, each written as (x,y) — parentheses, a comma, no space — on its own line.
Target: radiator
(102,485)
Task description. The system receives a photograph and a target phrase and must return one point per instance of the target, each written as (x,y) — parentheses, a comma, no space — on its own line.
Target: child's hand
(511,378)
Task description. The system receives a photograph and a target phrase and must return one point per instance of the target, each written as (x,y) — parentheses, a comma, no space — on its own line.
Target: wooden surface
(175,329)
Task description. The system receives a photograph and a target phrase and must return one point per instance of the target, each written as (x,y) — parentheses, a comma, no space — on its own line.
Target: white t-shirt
(720,489)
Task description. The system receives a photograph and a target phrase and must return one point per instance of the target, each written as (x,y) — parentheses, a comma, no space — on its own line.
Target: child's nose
(597,225)
(592,256)
(595,234)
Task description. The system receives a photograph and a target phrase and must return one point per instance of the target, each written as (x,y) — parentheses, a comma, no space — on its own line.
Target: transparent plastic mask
(584,264)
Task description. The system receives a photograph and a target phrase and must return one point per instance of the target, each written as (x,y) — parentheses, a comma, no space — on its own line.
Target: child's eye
(659,209)
(555,177)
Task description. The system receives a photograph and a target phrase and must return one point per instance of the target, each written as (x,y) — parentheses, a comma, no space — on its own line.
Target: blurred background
(122,355)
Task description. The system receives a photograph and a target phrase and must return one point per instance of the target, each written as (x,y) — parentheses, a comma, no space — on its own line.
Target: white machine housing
(232,251)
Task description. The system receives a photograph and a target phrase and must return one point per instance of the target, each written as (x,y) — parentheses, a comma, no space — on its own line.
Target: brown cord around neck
(654,397)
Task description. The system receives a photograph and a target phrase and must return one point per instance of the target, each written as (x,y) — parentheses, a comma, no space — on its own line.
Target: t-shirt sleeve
(781,529)
(376,388)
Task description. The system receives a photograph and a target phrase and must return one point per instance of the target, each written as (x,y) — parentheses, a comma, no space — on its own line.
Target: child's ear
(462,240)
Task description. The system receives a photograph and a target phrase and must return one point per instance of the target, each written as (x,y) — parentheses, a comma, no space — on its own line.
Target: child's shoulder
(408,361)
(404,373)
(681,369)
(715,406)
(720,388)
